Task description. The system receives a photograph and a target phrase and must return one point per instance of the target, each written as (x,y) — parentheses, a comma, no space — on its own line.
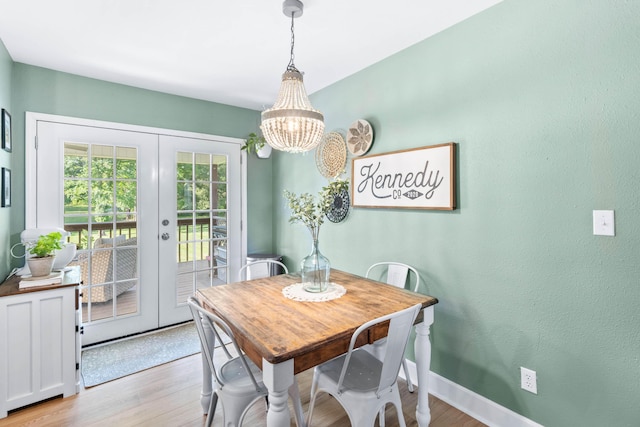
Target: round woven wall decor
(359,137)
(331,155)
(339,207)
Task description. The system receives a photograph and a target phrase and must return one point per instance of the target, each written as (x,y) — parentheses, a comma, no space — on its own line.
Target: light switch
(603,223)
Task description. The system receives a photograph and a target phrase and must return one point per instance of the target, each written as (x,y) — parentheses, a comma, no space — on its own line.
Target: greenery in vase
(46,245)
(305,209)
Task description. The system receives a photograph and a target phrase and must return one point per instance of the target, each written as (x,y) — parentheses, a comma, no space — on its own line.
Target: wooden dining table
(285,336)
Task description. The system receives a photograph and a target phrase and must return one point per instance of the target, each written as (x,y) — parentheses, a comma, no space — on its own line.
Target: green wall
(543,99)
(45,91)
(5,161)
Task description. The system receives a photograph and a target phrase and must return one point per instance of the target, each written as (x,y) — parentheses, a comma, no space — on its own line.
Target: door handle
(165,236)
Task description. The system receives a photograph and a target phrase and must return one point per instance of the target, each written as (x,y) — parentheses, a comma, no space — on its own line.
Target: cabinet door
(37,347)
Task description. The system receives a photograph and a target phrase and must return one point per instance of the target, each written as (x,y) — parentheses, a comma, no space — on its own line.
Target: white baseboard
(469,402)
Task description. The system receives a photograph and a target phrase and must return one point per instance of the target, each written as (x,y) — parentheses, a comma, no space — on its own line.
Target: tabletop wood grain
(268,325)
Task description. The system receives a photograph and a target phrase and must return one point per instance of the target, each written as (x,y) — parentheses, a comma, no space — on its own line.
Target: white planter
(40,266)
(264,152)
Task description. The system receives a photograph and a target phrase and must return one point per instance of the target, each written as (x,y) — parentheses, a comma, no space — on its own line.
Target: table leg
(423,365)
(278,378)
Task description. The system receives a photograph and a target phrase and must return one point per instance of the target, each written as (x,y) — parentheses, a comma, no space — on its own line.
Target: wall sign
(420,178)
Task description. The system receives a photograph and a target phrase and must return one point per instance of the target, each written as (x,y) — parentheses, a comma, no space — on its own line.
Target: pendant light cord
(291,66)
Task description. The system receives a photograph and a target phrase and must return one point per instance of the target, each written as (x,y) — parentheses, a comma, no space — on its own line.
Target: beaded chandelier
(292,124)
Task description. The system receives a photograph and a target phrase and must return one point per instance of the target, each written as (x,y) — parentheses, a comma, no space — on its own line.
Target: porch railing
(79,234)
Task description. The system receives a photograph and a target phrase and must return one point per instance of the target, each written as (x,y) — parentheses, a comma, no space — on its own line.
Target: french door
(154,217)
(199,211)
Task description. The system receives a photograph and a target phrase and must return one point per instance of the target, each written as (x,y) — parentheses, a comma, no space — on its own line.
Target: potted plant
(43,253)
(257,144)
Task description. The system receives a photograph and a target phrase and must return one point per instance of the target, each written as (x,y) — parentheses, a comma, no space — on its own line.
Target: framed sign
(6,130)
(420,178)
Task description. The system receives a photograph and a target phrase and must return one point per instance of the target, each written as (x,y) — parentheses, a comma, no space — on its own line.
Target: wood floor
(169,395)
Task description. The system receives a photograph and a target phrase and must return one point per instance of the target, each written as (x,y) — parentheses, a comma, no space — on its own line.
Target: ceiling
(232,52)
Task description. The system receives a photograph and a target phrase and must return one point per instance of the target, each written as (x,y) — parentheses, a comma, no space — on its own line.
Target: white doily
(296,292)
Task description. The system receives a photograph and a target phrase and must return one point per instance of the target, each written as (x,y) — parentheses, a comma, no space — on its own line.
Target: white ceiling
(232,52)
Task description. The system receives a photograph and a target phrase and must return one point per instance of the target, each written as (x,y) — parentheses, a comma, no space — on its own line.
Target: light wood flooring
(169,395)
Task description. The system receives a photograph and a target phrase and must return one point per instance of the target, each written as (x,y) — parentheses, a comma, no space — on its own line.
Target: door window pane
(201,201)
(107,242)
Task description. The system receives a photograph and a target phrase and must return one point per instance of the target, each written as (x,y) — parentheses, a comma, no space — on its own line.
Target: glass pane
(126,162)
(202,196)
(184,196)
(127,302)
(101,161)
(76,195)
(219,169)
(219,192)
(202,224)
(219,225)
(126,196)
(76,160)
(101,196)
(102,223)
(183,256)
(202,167)
(184,286)
(203,279)
(184,167)
(220,275)
(125,269)
(126,225)
(102,309)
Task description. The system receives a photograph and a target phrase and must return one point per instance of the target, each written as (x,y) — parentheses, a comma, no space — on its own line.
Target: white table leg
(207,386)
(423,365)
(278,378)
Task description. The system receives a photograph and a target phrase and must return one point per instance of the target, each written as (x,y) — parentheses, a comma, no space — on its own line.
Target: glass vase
(315,269)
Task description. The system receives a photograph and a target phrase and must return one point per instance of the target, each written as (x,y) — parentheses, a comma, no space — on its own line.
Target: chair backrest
(397,274)
(400,324)
(125,253)
(259,269)
(206,321)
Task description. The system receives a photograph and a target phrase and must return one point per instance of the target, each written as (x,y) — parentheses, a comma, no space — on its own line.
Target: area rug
(115,360)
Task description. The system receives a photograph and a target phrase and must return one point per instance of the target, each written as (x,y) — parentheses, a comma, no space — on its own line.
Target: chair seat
(363,373)
(234,376)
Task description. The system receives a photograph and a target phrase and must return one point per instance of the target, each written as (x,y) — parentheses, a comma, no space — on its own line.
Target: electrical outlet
(528,380)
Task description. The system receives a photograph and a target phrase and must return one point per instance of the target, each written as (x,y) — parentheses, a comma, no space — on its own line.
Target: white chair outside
(362,383)
(397,276)
(259,269)
(237,381)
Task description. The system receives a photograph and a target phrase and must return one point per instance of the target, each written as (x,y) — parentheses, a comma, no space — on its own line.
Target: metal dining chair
(397,276)
(237,380)
(259,269)
(362,383)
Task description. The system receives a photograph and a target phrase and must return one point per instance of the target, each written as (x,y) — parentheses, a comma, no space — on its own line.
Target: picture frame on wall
(6,187)
(6,130)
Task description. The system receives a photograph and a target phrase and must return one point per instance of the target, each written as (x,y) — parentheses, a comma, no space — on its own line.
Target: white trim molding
(469,402)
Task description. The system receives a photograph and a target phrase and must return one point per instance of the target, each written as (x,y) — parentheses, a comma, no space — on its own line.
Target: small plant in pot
(43,253)
(257,144)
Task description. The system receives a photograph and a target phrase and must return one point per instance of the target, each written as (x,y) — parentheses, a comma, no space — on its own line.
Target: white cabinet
(39,345)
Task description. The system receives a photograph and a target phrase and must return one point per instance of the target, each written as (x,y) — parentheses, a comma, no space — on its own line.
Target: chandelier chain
(291,66)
